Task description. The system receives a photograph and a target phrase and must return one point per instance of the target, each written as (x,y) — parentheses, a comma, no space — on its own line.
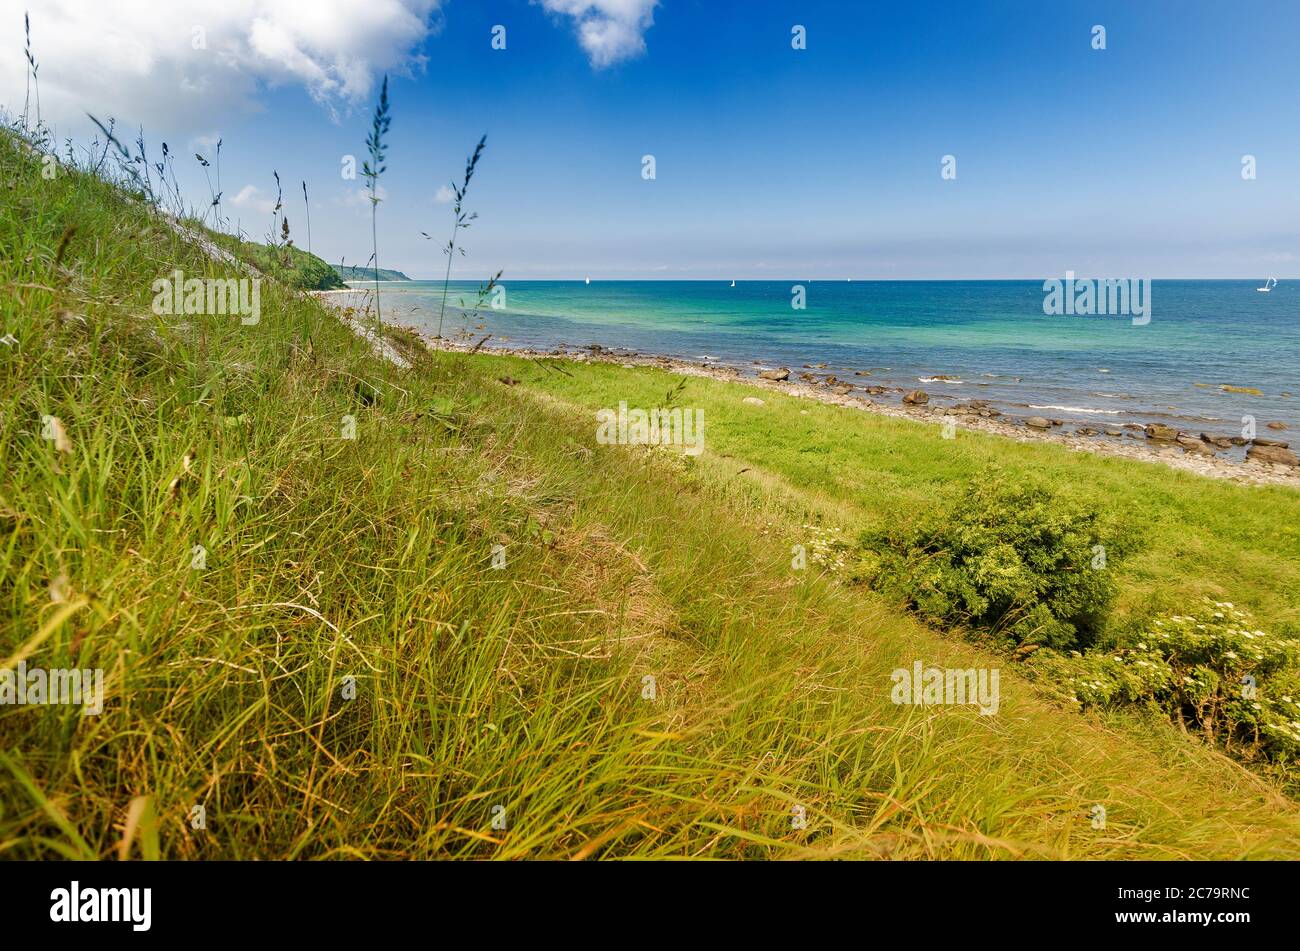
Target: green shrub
(1017,560)
(1210,670)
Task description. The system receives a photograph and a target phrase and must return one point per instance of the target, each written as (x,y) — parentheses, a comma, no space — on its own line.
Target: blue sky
(780,163)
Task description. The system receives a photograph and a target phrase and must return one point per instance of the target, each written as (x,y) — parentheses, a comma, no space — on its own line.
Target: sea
(1194,361)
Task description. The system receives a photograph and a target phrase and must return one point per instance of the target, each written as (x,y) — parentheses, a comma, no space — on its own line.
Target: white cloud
(205,143)
(183,63)
(360,197)
(254,199)
(444,194)
(609,30)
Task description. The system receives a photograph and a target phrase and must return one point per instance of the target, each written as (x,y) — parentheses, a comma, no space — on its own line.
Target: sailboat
(733,283)
(1268,285)
(588,280)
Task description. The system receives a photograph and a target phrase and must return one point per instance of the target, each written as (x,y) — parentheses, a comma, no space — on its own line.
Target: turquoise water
(991,335)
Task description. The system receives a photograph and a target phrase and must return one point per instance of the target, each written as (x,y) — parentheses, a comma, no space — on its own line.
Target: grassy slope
(329,558)
(291,265)
(1198,536)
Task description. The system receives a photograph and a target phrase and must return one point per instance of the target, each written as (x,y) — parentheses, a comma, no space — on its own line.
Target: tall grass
(349,675)
(371,169)
(351,671)
(32,79)
(461,220)
(213,194)
(306,204)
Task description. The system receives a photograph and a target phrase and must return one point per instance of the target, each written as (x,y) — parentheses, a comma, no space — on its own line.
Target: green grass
(371,558)
(289,264)
(1197,536)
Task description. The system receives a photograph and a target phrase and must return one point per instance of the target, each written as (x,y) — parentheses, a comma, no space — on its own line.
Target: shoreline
(1182,450)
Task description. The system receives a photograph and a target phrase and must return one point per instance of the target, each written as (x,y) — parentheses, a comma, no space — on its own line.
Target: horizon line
(802,280)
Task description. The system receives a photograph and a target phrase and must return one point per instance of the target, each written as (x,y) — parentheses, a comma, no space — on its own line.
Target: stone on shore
(753,401)
(779,376)
(916,398)
(1195,445)
(1038,422)
(1159,431)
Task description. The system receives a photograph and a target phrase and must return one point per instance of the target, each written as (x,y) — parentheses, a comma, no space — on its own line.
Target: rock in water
(1274,454)
(1037,422)
(1161,432)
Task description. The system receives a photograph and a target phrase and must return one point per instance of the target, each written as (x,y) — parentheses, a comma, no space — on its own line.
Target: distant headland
(353,273)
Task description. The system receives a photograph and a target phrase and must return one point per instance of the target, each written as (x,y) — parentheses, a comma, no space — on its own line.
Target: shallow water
(992,336)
